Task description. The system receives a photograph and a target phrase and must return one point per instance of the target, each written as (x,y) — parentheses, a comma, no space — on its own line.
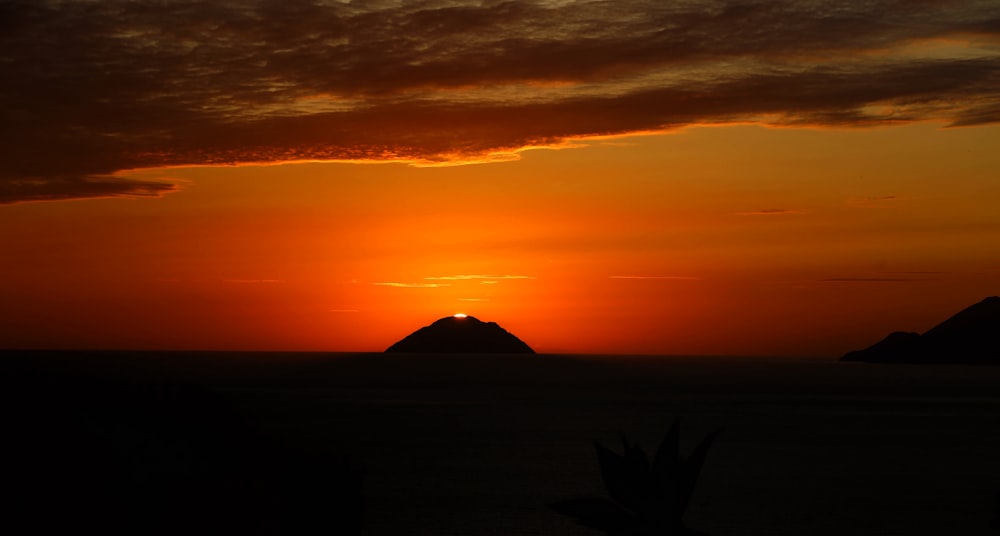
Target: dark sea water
(481,445)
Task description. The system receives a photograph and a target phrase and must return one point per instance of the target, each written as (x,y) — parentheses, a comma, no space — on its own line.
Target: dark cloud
(94,88)
(20,190)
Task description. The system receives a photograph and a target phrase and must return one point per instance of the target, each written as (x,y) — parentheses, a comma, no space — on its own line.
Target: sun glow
(460,315)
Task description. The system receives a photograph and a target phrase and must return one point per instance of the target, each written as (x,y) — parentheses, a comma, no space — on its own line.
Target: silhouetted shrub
(647,496)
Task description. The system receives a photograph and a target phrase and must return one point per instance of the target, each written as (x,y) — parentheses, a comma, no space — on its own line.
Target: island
(461,334)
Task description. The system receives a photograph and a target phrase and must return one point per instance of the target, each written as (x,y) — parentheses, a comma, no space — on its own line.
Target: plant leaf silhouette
(619,478)
(667,453)
(690,469)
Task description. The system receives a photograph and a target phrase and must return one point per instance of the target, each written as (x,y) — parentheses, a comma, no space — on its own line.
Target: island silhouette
(461,334)
(971,336)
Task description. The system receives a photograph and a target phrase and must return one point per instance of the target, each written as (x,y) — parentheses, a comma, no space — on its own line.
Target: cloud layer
(94,88)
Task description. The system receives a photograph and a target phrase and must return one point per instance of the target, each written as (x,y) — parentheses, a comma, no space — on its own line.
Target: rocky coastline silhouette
(968,337)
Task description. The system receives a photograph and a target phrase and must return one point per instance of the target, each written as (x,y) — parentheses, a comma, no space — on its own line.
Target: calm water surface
(465,445)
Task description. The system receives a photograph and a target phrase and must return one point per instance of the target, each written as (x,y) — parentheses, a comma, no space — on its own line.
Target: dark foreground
(467,445)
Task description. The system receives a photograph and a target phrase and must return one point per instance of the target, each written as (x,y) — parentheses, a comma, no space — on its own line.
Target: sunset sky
(657,177)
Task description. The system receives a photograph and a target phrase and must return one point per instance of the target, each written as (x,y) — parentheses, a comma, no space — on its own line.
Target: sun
(460,315)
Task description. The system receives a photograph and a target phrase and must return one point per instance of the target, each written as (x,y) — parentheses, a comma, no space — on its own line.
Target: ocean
(483,445)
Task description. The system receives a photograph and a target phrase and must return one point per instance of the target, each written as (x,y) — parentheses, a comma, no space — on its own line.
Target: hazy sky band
(95,88)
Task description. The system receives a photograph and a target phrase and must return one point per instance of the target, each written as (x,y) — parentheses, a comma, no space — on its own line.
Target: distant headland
(461,334)
(971,336)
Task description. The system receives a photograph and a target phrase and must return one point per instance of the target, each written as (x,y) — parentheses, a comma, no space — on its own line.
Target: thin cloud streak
(411,285)
(666,277)
(770,212)
(880,201)
(477,276)
(93,89)
(877,279)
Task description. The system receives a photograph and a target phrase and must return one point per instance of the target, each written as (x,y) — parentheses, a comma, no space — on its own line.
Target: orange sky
(640,191)
(735,240)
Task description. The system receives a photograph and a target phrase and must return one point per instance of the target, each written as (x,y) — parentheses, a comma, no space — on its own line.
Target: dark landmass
(117,443)
(972,336)
(464,335)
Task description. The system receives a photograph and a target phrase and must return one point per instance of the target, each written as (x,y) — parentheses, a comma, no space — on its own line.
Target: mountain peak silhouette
(971,336)
(461,334)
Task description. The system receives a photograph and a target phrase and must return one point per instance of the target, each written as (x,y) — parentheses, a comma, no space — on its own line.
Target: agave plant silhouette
(648,496)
